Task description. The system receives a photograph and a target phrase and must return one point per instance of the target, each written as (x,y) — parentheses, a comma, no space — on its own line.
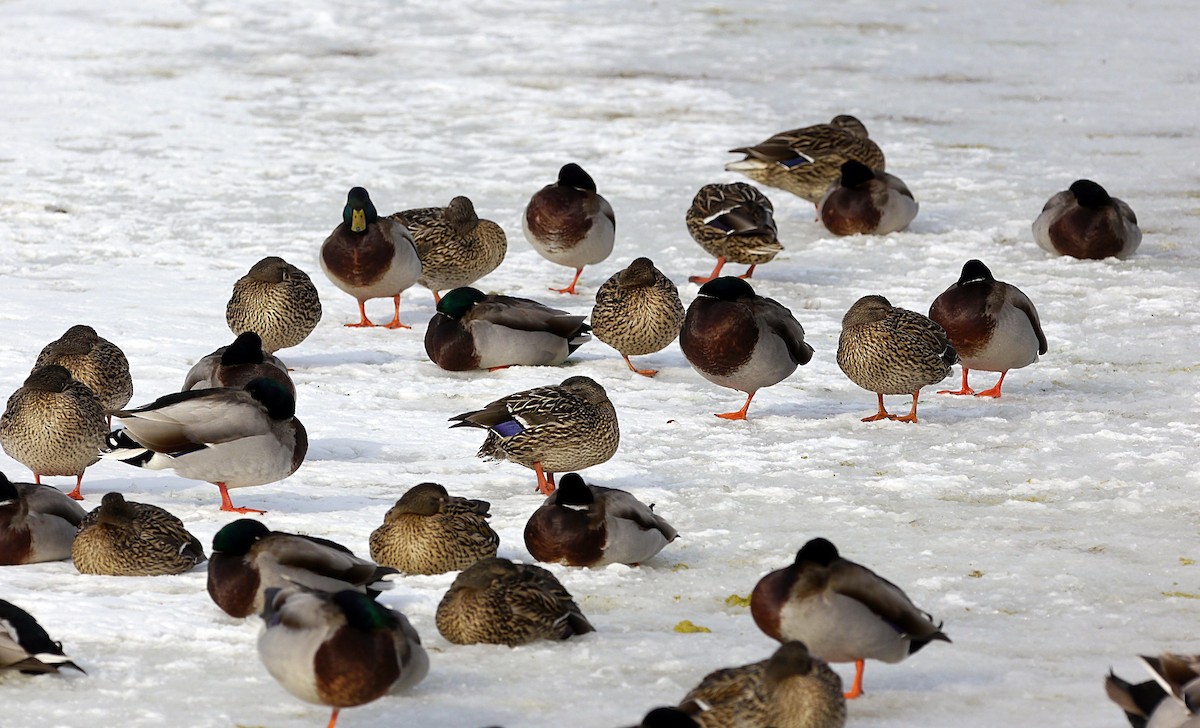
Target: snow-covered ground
(152,151)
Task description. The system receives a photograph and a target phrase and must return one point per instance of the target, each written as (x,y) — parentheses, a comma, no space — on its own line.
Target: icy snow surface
(153,151)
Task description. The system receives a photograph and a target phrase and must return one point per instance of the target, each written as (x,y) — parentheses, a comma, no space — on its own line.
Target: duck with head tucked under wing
(94,361)
(734,223)
(569,223)
(26,647)
(429,531)
(866,201)
(1084,221)
(37,523)
(275,300)
(637,311)
(1170,700)
(123,538)
(455,246)
(237,365)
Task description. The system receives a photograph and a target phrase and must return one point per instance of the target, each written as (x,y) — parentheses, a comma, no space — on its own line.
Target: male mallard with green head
(370,257)
(866,201)
(1084,221)
(455,246)
(734,223)
(37,523)
(568,223)
(237,365)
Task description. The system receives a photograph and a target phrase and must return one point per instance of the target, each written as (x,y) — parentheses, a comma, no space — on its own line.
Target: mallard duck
(569,224)
(369,257)
(339,650)
(552,429)
(455,246)
(236,365)
(1170,700)
(275,300)
(1085,222)
(890,350)
(232,438)
(806,161)
(498,602)
(53,425)
(248,559)
(123,538)
(991,324)
(25,646)
(736,224)
(37,523)
(474,330)
(865,201)
(843,611)
(791,689)
(735,338)
(637,312)
(95,361)
(429,531)
(589,525)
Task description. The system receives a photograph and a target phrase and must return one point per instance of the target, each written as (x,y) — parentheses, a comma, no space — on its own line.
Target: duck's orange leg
(740,414)
(436,298)
(716,272)
(545,480)
(856,689)
(965,388)
(75,494)
(227,505)
(364,322)
(395,322)
(571,288)
(882,414)
(749,272)
(333,718)
(635,370)
(912,413)
(994,391)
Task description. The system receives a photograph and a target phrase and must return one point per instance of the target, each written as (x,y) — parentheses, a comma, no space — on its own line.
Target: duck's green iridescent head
(359,211)
(457,302)
(362,612)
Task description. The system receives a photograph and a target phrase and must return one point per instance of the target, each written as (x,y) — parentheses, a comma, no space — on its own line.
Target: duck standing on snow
(890,350)
(340,650)
(37,523)
(637,312)
(248,559)
(735,338)
(589,525)
(1170,700)
(865,201)
(568,223)
(25,646)
(455,246)
(842,611)
(237,365)
(123,538)
(992,325)
(734,223)
(792,688)
(370,257)
(552,429)
(1085,222)
(232,438)
(275,300)
(473,330)
(53,425)
(498,602)
(95,361)
(429,531)
(806,161)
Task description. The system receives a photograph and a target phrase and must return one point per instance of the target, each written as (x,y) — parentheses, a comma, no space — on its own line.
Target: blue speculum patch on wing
(508,428)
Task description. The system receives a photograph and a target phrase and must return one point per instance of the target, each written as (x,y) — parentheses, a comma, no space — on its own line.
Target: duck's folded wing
(201,417)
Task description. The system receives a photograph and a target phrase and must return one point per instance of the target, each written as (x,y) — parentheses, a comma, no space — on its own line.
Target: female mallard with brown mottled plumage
(806,161)
(568,223)
(53,425)
(370,257)
(123,538)
(1170,700)
(455,246)
(37,523)
(841,610)
(95,361)
(552,429)
(735,338)
(429,531)
(637,312)
(791,689)
(736,224)
(237,365)
(275,300)
(1085,222)
(865,201)
(590,525)
(890,350)
(338,650)
(498,602)
(991,324)
(473,330)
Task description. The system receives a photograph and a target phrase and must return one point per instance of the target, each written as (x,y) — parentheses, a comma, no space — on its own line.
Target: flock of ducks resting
(326,639)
